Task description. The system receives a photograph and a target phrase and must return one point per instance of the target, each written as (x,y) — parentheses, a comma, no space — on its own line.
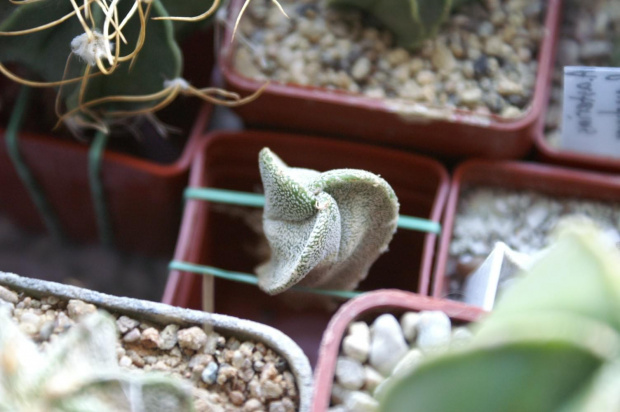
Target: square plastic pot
(347,115)
(144,197)
(551,154)
(216,235)
(544,179)
(366,308)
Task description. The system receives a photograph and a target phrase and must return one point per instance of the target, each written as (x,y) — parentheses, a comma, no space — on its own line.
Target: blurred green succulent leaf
(411,21)
(552,343)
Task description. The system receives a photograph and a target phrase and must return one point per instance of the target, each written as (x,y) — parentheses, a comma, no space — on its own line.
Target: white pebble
(409,324)
(361,402)
(350,373)
(434,331)
(388,344)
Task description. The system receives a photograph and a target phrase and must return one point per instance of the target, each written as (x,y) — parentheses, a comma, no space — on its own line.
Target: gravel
(521,219)
(399,344)
(483,59)
(588,31)
(227,374)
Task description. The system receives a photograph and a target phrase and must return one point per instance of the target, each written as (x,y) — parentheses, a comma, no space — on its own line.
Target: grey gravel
(483,58)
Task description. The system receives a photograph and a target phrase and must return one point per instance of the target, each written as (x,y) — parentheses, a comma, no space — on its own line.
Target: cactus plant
(411,21)
(325,229)
(552,343)
(79,372)
(109,61)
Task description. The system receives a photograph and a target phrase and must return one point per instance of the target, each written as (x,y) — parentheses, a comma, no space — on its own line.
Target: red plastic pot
(550,180)
(317,110)
(366,308)
(144,198)
(550,154)
(209,237)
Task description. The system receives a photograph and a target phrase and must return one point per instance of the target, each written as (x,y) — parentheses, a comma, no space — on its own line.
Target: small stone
(192,338)
(237,359)
(339,394)
(236,398)
(388,344)
(132,336)
(252,405)
(511,112)
(470,97)
(361,402)
(168,337)
(277,407)
(361,68)
(8,295)
(505,87)
(425,77)
(434,331)
(409,324)
(398,56)
(356,345)
(77,308)
(225,373)
(443,59)
(372,378)
(209,373)
(125,324)
(271,390)
(150,338)
(349,373)
(125,362)
(461,336)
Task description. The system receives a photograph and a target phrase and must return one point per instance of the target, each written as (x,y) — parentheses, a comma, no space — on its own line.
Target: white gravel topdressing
(523,220)
(483,60)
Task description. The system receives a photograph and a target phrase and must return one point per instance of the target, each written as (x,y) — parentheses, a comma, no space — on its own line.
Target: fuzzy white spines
(325,230)
(92,48)
(78,372)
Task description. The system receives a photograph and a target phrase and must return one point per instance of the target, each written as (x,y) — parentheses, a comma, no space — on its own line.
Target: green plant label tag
(591,114)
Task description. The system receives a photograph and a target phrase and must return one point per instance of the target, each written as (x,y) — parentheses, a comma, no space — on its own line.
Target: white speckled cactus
(325,230)
(78,372)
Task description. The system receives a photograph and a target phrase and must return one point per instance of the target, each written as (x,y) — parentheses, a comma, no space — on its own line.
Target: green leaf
(578,275)
(517,377)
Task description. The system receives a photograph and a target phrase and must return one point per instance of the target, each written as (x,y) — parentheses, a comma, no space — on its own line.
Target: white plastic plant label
(591,114)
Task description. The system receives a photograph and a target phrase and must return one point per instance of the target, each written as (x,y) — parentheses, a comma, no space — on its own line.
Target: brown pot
(144,197)
(230,161)
(317,110)
(544,179)
(366,308)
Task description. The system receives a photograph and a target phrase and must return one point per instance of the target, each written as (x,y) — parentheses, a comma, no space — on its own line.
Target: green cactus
(79,372)
(325,229)
(145,74)
(411,21)
(551,344)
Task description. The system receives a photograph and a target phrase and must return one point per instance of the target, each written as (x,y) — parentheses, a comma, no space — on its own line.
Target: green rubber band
(251,279)
(95,160)
(50,219)
(257,200)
